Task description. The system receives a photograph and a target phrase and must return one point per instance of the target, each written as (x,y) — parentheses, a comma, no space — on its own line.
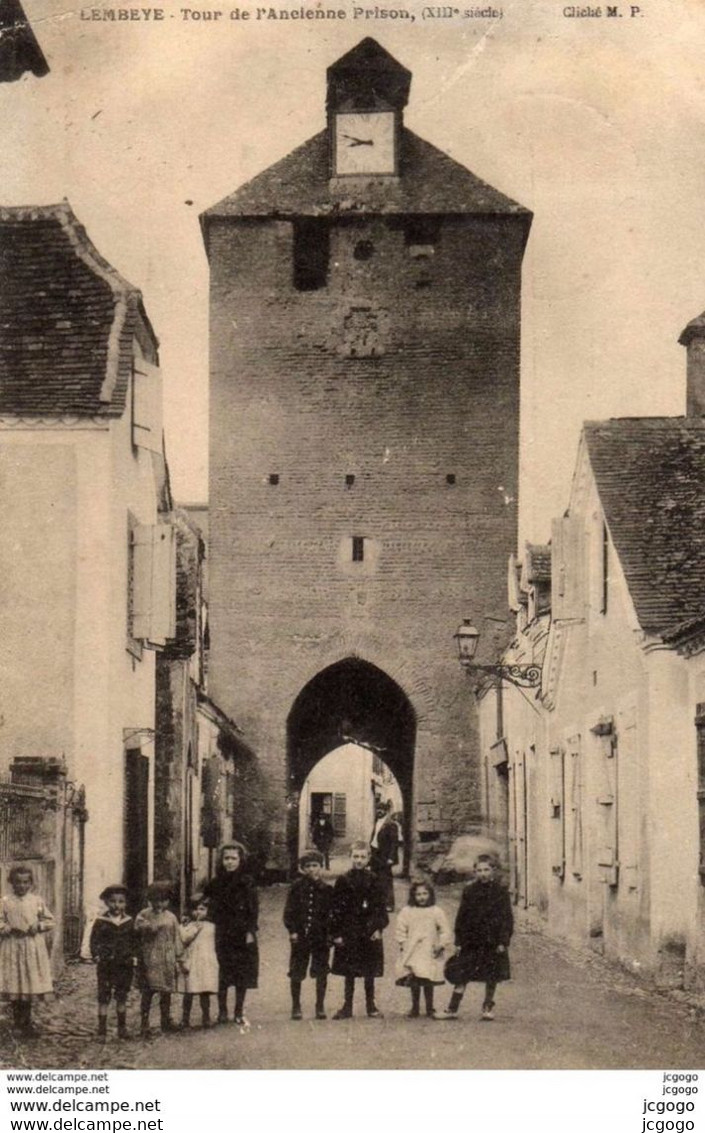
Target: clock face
(364,143)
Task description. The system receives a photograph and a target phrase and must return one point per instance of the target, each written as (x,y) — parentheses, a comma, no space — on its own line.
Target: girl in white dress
(423,934)
(25,970)
(199,975)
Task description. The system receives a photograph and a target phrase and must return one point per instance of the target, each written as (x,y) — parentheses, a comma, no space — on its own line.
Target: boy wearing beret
(113,945)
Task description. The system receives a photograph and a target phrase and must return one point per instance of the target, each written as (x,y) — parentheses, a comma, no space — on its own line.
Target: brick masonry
(287,400)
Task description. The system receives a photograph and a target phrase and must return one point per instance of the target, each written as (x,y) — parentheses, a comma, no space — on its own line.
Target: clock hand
(358,141)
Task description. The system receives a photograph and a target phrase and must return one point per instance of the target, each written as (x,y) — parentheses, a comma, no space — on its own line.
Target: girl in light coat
(423,935)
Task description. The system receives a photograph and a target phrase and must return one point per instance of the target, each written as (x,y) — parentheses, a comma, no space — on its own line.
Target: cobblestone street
(562,1010)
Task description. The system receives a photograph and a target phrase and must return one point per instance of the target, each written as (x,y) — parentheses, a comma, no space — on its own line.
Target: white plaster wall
(38,516)
(601,675)
(345,771)
(673,804)
(70,687)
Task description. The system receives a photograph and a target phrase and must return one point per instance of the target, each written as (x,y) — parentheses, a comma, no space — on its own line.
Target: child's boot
(205,1010)
(296,999)
(102,1028)
(321,984)
(451,1011)
(165,1019)
(487,1011)
(145,1005)
(415,1000)
(373,1011)
(186,1013)
(122,1032)
(428,999)
(240,1019)
(346,1010)
(223,1006)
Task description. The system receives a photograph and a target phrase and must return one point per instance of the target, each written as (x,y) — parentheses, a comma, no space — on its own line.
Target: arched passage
(351,702)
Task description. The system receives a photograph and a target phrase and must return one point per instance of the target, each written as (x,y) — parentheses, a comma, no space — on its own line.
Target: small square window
(274,478)
(358,549)
(349,480)
(450,478)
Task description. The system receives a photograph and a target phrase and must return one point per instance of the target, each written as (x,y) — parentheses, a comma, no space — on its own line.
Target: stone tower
(365,327)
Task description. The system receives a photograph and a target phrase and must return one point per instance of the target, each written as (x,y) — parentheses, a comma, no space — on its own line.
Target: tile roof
(650,475)
(538,562)
(67,318)
(430,183)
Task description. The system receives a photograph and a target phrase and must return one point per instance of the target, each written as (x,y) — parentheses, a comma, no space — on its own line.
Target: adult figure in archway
(384,850)
(323,835)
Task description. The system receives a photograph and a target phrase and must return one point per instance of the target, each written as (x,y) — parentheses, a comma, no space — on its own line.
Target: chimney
(693,338)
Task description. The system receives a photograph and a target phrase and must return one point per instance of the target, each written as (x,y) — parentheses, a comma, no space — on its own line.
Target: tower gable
(367,77)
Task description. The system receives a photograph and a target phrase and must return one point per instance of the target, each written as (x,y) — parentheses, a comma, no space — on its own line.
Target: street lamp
(467,637)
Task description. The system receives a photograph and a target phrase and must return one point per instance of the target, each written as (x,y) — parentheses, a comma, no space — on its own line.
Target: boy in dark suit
(306,918)
(358,916)
(114,946)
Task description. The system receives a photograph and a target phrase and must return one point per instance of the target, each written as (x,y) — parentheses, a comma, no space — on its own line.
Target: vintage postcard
(352,580)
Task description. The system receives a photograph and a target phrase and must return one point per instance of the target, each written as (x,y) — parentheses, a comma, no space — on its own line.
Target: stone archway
(352,702)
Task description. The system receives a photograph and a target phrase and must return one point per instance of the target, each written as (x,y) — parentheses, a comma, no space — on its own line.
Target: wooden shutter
(154,583)
(163,619)
(575,801)
(141,552)
(340,815)
(628,800)
(607,817)
(147,407)
(558,812)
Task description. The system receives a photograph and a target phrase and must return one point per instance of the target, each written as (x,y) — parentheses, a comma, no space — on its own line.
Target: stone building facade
(365,328)
(606,761)
(86,561)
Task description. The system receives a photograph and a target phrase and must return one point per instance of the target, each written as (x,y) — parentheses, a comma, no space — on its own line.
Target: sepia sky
(596,125)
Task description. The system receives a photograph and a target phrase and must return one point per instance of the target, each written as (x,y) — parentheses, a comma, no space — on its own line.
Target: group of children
(215,948)
(352,914)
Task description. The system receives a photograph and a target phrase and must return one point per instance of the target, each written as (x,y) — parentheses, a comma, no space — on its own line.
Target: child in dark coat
(114,946)
(358,916)
(307,920)
(234,909)
(483,929)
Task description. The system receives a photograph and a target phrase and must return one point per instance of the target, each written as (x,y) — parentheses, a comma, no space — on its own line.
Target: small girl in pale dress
(199,974)
(423,934)
(25,970)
